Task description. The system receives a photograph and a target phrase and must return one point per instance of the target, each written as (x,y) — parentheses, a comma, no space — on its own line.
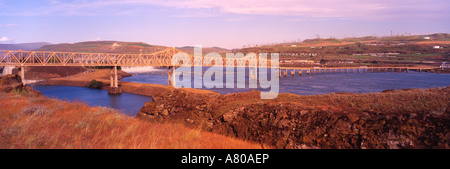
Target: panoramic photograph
(210,74)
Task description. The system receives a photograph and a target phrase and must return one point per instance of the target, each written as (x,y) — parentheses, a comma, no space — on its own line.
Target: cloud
(96,39)
(367,9)
(5,39)
(8,25)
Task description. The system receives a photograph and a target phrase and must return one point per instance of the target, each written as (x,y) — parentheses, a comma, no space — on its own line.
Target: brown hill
(205,50)
(104,47)
(23,46)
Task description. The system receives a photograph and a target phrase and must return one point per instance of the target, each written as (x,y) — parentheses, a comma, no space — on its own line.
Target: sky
(222,23)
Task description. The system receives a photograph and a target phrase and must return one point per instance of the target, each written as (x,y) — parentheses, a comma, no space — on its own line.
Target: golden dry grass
(434,42)
(38,122)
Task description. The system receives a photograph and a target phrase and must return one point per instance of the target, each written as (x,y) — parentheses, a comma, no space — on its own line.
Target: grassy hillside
(23,46)
(33,121)
(105,47)
(205,50)
(412,49)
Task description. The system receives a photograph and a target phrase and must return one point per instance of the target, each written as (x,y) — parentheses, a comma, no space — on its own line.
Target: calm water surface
(125,102)
(328,82)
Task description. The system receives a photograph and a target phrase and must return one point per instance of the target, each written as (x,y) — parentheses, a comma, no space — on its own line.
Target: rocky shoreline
(413,118)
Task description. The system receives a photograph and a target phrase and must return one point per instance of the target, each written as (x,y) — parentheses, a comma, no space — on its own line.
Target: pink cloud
(4,39)
(364,9)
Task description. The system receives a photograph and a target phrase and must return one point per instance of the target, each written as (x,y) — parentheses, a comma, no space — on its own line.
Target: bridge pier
(300,72)
(22,74)
(253,74)
(169,76)
(292,72)
(114,84)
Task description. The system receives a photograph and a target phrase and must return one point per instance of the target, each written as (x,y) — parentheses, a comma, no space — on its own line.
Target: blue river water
(325,83)
(125,102)
(301,85)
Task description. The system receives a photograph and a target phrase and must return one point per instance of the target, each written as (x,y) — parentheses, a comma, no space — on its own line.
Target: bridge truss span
(44,58)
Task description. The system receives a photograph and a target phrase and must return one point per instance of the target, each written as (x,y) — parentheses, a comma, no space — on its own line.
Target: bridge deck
(161,58)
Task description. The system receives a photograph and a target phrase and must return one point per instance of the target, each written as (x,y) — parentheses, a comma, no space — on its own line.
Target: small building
(436,47)
(426,38)
(444,65)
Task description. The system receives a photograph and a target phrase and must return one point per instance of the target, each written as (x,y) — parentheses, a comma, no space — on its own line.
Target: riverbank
(103,75)
(413,118)
(30,120)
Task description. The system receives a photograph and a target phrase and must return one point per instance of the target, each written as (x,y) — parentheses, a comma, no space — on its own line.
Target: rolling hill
(23,46)
(104,47)
(205,50)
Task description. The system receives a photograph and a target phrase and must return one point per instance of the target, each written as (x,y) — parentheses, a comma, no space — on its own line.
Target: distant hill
(437,38)
(104,47)
(190,50)
(23,46)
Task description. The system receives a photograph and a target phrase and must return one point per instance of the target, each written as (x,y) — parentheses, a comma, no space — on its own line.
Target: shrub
(38,110)
(94,84)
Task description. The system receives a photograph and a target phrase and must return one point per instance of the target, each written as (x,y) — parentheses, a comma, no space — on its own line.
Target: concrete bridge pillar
(116,79)
(285,72)
(22,73)
(114,84)
(308,72)
(292,72)
(169,75)
(254,74)
(111,79)
(300,72)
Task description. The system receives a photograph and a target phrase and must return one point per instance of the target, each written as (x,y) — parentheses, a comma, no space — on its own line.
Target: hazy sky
(224,23)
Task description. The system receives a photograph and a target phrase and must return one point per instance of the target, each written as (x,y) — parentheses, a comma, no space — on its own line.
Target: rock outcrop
(296,122)
(13,83)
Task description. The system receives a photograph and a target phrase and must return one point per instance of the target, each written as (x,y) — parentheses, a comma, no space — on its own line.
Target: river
(125,102)
(325,83)
(301,85)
